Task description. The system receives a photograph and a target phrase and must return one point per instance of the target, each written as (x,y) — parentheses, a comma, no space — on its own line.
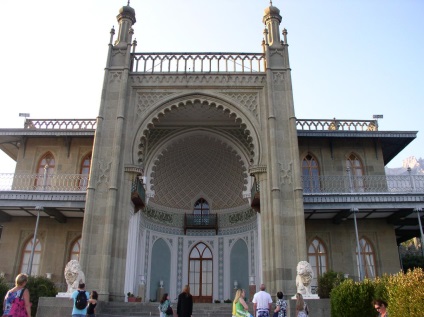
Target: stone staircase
(119,309)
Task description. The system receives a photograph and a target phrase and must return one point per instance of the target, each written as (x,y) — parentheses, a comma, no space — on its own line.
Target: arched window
(85,172)
(75,250)
(27,254)
(317,257)
(356,172)
(45,170)
(201,212)
(310,174)
(200,273)
(367,257)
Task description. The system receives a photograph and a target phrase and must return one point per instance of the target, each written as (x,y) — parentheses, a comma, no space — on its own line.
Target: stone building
(198,172)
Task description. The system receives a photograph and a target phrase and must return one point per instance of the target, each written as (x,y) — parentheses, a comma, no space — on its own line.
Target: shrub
(39,287)
(327,282)
(409,262)
(406,294)
(352,299)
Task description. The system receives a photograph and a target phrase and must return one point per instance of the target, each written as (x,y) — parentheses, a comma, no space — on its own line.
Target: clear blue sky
(350,59)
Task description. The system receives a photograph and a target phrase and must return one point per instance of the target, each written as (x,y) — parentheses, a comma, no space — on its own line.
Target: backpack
(81,300)
(18,306)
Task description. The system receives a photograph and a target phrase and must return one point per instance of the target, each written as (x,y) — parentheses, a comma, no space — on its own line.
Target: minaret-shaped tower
(282,231)
(104,236)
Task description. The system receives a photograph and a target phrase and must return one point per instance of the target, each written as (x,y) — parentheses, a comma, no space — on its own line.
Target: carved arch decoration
(172,168)
(248,130)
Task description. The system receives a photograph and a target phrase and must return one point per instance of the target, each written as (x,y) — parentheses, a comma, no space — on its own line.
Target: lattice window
(75,250)
(45,170)
(367,257)
(317,257)
(200,270)
(26,255)
(201,212)
(356,171)
(85,171)
(310,173)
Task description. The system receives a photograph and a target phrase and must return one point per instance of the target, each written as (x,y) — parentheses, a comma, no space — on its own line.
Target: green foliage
(406,294)
(3,290)
(39,286)
(409,262)
(327,282)
(352,299)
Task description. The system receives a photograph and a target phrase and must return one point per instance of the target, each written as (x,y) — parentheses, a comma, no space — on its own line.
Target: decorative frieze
(239,80)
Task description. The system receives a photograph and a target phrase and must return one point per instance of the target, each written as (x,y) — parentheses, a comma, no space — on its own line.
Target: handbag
(18,306)
(169,311)
(275,314)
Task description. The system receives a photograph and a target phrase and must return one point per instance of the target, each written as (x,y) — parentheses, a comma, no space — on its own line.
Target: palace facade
(197,171)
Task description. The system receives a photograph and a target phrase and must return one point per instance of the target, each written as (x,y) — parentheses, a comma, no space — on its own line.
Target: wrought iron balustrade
(61,124)
(200,222)
(42,182)
(363,184)
(334,124)
(197,62)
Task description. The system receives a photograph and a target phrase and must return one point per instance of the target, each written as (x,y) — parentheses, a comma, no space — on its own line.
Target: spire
(126,18)
(272,20)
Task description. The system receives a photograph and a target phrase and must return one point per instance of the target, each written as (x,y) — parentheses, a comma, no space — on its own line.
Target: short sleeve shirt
(76,311)
(262,300)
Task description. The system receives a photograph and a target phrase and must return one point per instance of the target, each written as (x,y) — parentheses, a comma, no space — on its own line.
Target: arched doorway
(201,273)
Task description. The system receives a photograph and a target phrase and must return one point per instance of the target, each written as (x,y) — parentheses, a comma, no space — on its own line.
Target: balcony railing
(43,182)
(197,62)
(334,124)
(66,124)
(201,222)
(363,184)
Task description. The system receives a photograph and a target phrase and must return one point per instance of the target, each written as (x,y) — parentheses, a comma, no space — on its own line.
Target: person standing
(16,292)
(82,312)
(280,306)
(262,303)
(164,304)
(185,303)
(92,303)
(301,307)
(381,307)
(241,308)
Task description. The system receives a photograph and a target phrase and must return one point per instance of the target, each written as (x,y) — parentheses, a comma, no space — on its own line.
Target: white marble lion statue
(73,275)
(304,278)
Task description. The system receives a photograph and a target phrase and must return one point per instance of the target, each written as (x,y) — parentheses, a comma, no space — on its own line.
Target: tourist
(185,303)
(280,306)
(16,292)
(381,307)
(262,303)
(81,311)
(301,307)
(165,303)
(92,303)
(241,308)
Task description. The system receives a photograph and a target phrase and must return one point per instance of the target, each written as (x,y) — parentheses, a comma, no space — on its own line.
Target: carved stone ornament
(304,278)
(73,276)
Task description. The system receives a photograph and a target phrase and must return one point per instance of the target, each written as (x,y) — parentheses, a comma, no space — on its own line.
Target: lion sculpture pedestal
(73,276)
(304,278)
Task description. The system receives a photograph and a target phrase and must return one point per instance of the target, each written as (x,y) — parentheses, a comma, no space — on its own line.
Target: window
(75,250)
(367,257)
(201,212)
(200,272)
(356,173)
(310,173)
(85,172)
(317,257)
(27,254)
(45,170)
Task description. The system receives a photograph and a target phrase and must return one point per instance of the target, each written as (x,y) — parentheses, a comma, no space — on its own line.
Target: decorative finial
(128,4)
(270,2)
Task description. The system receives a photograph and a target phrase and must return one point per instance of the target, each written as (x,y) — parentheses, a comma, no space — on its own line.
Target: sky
(350,59)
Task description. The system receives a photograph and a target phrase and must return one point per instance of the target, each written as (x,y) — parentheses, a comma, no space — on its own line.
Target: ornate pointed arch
(367,254)
(237,121)
(310,173)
